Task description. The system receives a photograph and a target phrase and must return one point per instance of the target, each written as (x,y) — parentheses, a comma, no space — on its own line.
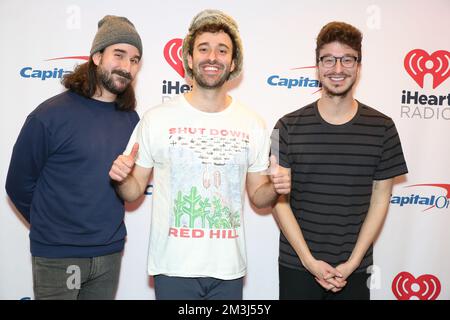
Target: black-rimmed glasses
(346,61)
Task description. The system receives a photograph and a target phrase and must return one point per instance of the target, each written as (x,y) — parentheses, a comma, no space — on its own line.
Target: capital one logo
(440,202)
(29,72)
(418,63)
(437,201)
(173,54)
(426,287)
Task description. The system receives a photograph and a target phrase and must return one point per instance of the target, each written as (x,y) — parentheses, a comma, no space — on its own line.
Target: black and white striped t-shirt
(333,168)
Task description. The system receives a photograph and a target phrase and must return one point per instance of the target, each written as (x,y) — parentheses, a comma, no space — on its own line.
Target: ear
(189,59)
(358,69)
(96,58)
(232,66)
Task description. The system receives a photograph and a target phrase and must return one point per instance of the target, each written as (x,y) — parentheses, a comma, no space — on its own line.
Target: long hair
(84,80)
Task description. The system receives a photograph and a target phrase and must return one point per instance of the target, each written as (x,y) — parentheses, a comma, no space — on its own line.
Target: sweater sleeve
(28,158)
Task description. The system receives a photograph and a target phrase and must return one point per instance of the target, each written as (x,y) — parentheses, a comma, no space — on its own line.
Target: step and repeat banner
(405,74)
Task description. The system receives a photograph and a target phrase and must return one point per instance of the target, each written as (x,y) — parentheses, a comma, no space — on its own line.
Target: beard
(203,80)
(114,84)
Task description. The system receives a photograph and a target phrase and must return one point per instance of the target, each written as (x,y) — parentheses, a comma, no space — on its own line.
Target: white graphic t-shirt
(200,161)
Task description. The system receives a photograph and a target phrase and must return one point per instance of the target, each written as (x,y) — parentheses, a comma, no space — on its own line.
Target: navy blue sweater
(58,176)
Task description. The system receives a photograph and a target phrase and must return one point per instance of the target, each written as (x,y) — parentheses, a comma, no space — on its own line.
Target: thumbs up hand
(280,176)
(123,165)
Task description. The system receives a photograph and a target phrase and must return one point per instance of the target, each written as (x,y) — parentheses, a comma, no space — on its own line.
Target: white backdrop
(411,256)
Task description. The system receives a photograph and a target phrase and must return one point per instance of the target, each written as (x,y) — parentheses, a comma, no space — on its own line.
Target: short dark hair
(339,32)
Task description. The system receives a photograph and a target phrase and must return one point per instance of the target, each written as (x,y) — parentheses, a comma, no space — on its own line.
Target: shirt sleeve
(141,134)
(29,156)
(259,159)
(279,144)
(392,162)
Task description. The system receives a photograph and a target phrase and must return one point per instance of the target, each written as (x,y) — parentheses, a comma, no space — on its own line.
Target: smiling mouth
(211,69)
(337,78)
(122,78)
(122,75)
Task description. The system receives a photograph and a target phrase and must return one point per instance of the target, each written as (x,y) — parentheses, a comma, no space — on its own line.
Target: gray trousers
(76,278)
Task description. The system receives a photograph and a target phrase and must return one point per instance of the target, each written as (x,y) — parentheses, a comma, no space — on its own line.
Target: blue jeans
(181,288)
(76,278)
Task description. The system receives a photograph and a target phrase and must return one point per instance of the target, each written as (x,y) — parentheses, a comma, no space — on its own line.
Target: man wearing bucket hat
(58,176)
(206,149)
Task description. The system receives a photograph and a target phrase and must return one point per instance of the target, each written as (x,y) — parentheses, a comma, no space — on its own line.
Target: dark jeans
(301,285)
(180,288)
(76,278)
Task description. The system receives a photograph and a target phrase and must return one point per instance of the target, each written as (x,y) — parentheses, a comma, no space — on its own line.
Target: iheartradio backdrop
(405,74)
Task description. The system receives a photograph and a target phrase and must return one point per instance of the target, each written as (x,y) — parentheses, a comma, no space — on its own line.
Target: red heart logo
(426,287)
(418,63)
(173,54)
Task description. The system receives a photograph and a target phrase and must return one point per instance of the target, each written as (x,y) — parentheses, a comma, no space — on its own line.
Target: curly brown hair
(84,80)
(339,32)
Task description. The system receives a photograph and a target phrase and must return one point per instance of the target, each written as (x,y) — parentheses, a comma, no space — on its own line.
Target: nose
(212,55)
(126,65)
(338,67)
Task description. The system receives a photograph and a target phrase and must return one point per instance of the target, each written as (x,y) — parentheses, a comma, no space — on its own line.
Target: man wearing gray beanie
(112,30)
(58,175)
(205,148)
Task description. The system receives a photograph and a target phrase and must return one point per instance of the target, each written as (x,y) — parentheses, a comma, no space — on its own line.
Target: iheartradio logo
(426,287)
(173,54)
(418,63)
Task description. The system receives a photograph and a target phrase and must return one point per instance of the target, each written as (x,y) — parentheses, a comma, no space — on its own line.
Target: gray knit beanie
(114,29)
(214,17)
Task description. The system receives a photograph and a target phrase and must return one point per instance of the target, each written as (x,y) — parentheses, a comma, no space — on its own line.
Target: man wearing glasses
(343,156)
